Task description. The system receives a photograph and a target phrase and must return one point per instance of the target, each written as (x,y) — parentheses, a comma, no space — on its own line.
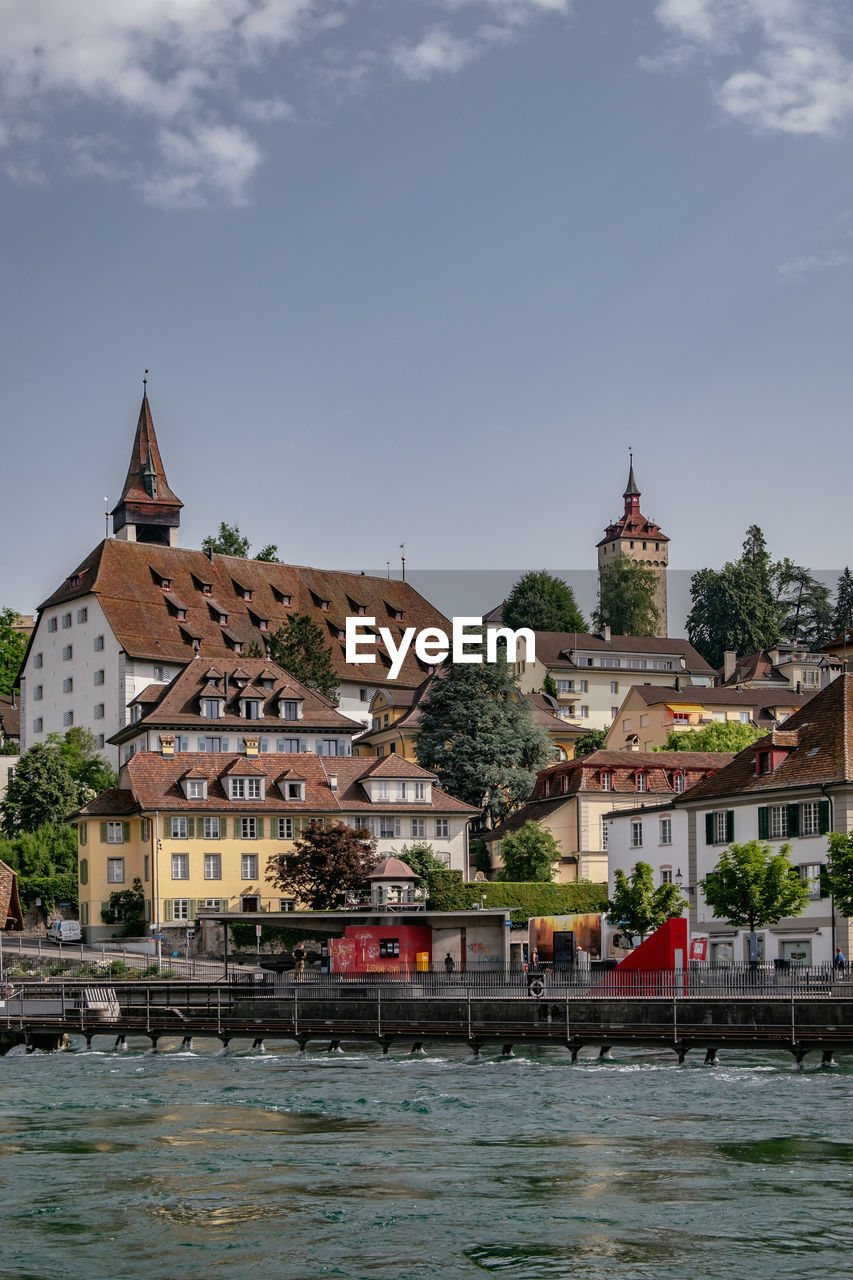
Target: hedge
(448,892)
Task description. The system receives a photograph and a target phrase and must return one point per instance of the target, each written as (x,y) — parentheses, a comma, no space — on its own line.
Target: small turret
(148,510)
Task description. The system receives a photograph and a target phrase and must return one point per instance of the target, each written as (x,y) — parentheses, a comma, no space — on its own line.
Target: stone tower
(147,510)
(642,541)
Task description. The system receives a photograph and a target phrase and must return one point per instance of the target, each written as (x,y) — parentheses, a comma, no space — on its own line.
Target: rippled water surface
(281,1164)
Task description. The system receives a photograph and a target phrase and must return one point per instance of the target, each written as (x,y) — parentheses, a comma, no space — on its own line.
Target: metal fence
(25,959)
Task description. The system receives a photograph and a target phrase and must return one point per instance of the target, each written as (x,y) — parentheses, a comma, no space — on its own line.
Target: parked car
(65,931)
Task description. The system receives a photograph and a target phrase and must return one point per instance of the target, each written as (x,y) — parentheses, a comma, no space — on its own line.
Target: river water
(280,1164)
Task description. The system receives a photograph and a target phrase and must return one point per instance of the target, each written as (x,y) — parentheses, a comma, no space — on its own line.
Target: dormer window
(246,788)
(295,791)
(762,762)
(251,708)
(678,783)
(211,708)
(74,580)
(324,605)
(166,584)
(641,781)
(606,779)
(195,788)
(207,588)
(290,708)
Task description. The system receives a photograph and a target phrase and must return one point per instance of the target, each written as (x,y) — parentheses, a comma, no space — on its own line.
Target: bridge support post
(506,1051)
(225,1040)
(799,1053)
(827,1060)
(417,1047)
(302,1040)
(187,1042)
(121,1041)
(154,1039)
(574,1047)
(335,1046)
(710,1055)
(90,1035)
(605,1053)
(474,1046)
(385,1043)
(682,1050)
(258,1044)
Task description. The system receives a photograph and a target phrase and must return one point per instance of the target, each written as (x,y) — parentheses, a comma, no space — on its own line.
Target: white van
(65,931)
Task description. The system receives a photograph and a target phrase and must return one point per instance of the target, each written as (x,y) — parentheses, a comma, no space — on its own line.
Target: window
(720,827)
(211,904)
(52,624)
(418,828)
(604,833)
(642,781)
(285,904)
(253,789)
(180,866)
(287,746)
(420,791)
(745,717)
(442,828)
(115,870)
(678,783)
(248,866)
(614,686)
(83,614)
(180,909)
(195,789)
(128,753)
(99,644)
(101,741)
(666,831)
(678,718)
(38,659)
(584,686)
(211,828)
(778,821)
(614,711)
(626,725)
(666,874)
(401,791)
(285,828)
(38,693)
(249,828)
(180,830)
(389,948)
(810,874)
(606,781)
(159,673)
(296,791)
(84,870)
(98,677)
(99,710)
(66,619)
(565,686)
(37,724)
(363,695)
(115,833)
(83,832)
(67,652)
(213,866)
(290,709)
(636,835)
(238,788)
(583,712)
(210,708)
(253,709)
(810,818)
(68,684)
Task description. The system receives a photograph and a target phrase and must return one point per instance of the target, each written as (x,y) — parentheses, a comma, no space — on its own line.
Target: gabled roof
(394,766)
(823,754)
(177,705)
(720,696)
(119,574)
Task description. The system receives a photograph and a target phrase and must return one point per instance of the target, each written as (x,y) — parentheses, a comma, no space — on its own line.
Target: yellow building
(649,712)
(197,829)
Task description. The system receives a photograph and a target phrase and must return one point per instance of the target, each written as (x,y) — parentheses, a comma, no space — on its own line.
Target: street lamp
(679,880)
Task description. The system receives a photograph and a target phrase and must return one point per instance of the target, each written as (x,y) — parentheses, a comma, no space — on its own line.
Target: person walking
(840,961)
(449,964)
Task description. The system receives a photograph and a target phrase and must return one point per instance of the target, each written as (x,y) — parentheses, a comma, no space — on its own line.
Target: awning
(683,708)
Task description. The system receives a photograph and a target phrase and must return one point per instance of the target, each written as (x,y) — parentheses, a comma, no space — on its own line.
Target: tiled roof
(394,766)
(552,648)
(10,717)
(119,573)
(721,696)
(533,811)
(176,705)
(392,869)
(151,782)
(145,446)
(823,753)
(660,766)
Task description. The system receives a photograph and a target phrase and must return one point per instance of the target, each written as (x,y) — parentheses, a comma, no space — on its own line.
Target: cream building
(649,712)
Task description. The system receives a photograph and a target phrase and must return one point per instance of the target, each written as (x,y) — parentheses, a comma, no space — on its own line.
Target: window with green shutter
(103,827)
(793,819)
(190,828)
(823,818)
(763,823)
(709,828)
(260,824)
(167,910)
(84,870)
(125,832)
(730,825)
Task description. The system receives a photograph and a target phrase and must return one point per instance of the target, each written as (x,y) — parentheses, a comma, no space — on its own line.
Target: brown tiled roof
(10,717)
(721,696)
(150,782)
(823,754)
(754,666)
(392,869)
(145,442)
(552,648)
(660,766)
(10,902)
(532,811)
(176,705)
(119,573)
(394,766)
(632,526)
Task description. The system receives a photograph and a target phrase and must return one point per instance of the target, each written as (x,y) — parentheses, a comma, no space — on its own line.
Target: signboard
(258,930)
(699,948)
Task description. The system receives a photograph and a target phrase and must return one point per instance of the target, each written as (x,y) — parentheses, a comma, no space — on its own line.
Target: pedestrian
(534,959)
(840,961)
(449,964)
(299,958)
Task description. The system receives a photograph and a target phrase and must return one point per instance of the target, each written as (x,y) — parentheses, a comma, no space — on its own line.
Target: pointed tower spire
(148,510)
(632,491)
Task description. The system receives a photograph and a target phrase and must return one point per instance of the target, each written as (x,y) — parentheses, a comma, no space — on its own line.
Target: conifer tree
(842,617)
(544,603)
(301,648)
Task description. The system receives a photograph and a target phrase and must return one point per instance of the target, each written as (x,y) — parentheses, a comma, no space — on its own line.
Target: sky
(422,271)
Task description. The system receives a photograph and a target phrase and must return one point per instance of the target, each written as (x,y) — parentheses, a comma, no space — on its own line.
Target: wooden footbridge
(801,1012)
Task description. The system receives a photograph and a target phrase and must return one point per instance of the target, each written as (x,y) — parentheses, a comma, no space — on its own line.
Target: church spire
(632,491)
(148,510)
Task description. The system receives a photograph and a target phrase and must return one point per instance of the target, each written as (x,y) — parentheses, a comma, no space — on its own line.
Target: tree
(46,863)
(838,878)
(127,908)
(41,791)
(592,740)
(422,860)
(544,603)
(86,765)
(528,853)
(13,646)
(804,604)
(735,607)
(842,617)
(300,647)
(326,864)
(478,735)
(720,735)
(754,885)
(626,599)
(640,907)
(230,542)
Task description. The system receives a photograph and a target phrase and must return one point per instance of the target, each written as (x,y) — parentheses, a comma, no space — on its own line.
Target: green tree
(423,861)
(13,646)
(229,541)
(127,908)
(300,647)
(46,863)
(838,877)
(720,735)
(479,736)
(842,617)
(542,602)
(41,791)
(593,740)
(735,607)
(528,853)
(805,605)
(326,863)
(754,885)
(626,599)
(640,907)
(86,765)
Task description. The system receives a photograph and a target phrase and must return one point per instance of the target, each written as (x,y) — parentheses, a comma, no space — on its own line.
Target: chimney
(605,633)
(729,664)
(678,684)
(333,781)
